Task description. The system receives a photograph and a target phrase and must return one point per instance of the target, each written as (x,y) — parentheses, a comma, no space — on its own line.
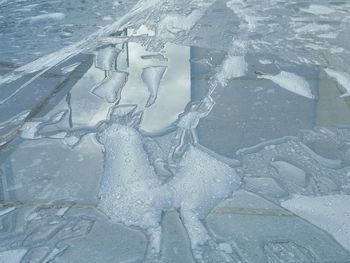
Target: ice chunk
(12,256)
(342,78)
(106,58)
(265,186)
(152,76)
(130,190)
(6,210)
(232,67)
(290,82)
(29,130)
(111,87)
(318,10)
(290,173)
(70,68)
(202,181)
(46,17)
(174,23)
(331,213)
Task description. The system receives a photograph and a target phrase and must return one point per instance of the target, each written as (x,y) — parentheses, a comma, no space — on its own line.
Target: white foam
(291,82)
(232,67)
(152,76)
(110,88)
(331,213)
(342,78)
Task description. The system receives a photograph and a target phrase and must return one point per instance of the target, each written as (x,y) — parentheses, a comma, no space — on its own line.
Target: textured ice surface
(111,87)
(152,77)
(232,67)
(45,17)
(342,78)
(291,82)
(330,213)
(154,140)
(12,256)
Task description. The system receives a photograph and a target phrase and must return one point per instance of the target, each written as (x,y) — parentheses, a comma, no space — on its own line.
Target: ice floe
(152,77)
(331,213)
(232,67)
(342,78)
(111,87)
(291,82)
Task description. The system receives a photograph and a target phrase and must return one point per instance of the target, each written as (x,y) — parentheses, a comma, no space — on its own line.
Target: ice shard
(111,87)
(152,76)
(291,82)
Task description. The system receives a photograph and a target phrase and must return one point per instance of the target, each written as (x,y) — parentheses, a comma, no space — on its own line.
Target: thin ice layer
(152,76)
(331,213)
(232,67)
(202,181)
(130,190)
(291,82)
(110,88)
(342,78)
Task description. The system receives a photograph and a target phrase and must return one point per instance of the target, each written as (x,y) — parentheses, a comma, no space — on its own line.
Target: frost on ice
(134,195)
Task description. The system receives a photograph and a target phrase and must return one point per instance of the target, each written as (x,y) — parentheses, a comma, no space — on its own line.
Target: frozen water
(290,82)
(330,213)
(233,67)
(13,256)
(111,87)
(167,131)
(342,78)
(152,77)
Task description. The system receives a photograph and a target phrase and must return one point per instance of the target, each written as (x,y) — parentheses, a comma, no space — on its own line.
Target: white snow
(331,213)
(342,78)
(232,67)
(291,82)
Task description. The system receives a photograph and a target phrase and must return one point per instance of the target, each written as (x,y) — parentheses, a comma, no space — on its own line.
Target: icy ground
(175,131)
